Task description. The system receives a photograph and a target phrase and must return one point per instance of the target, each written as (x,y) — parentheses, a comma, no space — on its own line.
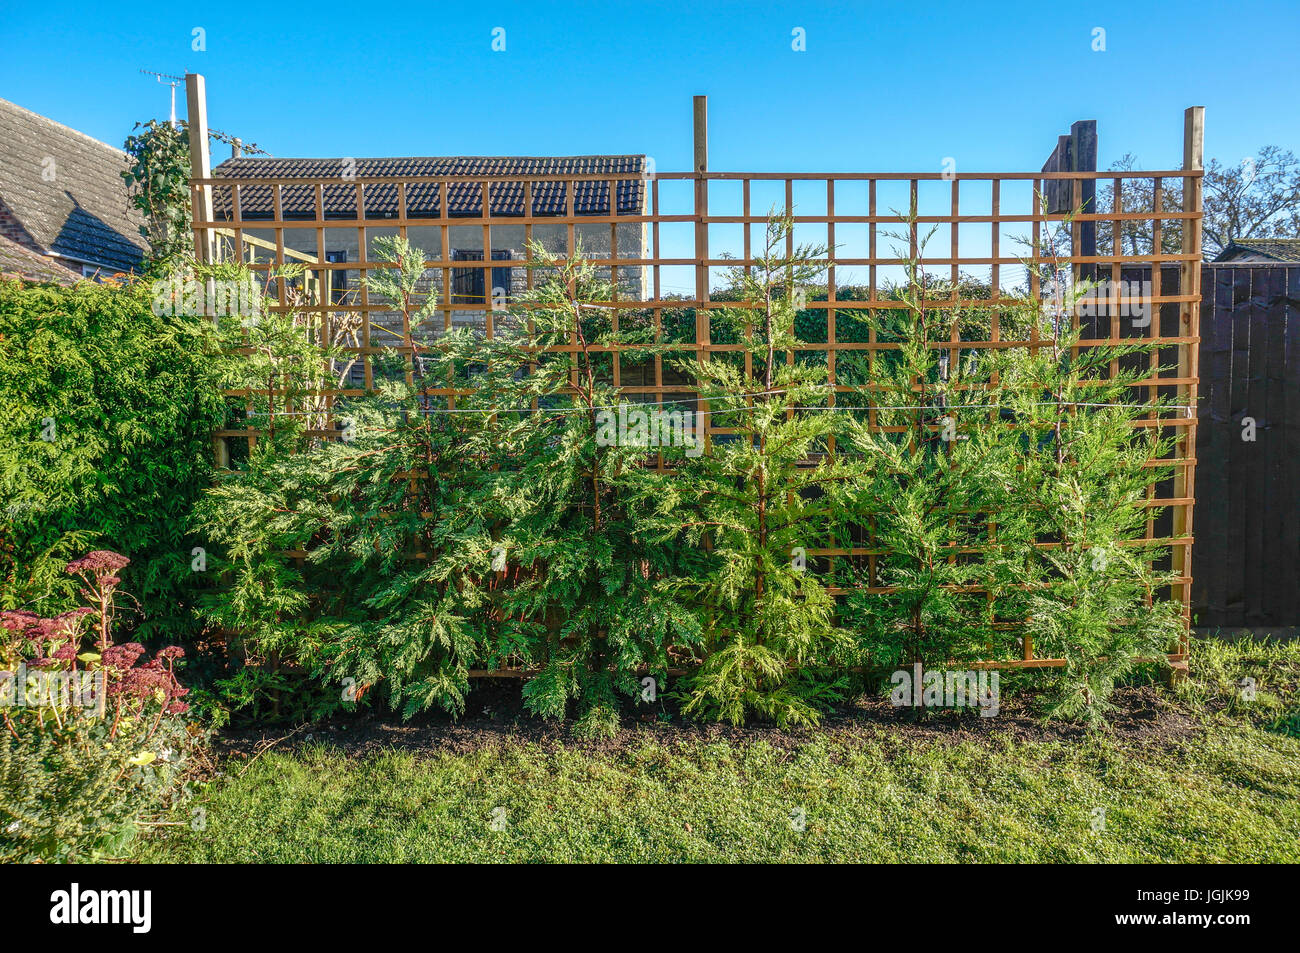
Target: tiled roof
(1278,249)
(422,201)
(16,259)
(66,189)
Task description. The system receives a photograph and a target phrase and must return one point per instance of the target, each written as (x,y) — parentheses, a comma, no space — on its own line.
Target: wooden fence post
(196,111)
(1083,158)
(701,165)
(1189,286)
(196,103)
(1076,152)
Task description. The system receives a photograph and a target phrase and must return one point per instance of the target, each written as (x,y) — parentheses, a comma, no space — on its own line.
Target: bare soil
(495,717)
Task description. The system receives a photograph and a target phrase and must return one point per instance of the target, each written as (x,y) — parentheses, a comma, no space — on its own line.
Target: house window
(467,283)
(92,271)
(338,279)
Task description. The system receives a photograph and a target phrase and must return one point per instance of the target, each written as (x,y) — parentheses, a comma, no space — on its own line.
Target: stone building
(471,284)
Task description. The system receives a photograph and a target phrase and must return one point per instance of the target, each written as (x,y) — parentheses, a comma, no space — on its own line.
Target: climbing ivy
(158,179)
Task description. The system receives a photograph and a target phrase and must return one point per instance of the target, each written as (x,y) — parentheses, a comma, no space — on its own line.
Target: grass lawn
(1196,775)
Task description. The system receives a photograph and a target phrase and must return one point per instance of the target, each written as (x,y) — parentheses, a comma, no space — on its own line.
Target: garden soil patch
(495,717)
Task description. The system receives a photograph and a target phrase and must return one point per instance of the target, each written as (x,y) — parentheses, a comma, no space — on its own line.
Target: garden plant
(487,507)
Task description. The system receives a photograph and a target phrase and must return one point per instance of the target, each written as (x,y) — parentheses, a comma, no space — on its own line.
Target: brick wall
(13,230)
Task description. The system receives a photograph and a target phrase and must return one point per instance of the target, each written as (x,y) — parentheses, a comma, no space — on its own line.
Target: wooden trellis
(719,211)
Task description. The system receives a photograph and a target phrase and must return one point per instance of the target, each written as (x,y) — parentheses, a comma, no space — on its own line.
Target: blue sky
(890,86)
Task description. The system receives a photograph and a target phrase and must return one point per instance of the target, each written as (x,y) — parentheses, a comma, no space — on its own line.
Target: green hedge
(106,411)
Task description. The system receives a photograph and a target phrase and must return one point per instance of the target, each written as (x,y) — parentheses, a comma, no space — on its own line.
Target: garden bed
(495,716)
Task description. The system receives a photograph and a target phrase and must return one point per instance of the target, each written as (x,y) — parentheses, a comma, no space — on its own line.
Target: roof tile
(1280,249)
(422,198)
(19,260)
(67,190)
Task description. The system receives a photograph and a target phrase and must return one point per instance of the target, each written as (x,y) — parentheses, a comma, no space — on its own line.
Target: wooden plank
(1256,502)
(1288,524)
(1083,158)
(1240,456)
(1189,319)
(1054,190)
(701,165)
(196,104)
(716,176)
(1212,449)
(1275,570)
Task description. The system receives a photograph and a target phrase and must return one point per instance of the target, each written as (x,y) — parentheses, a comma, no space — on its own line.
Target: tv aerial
(174,82)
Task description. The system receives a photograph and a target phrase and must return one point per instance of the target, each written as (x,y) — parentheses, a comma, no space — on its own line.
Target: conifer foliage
(1003,491)
(1082,472)
(590,581)
(934,468)
(760,503)
(495,529)
(494,503)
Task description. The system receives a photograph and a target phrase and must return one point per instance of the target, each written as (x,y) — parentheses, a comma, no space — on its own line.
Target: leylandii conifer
(933,470)
(591,583)
(759,503)
(495,503)
(344,558)
(1002,492)
(1092,592)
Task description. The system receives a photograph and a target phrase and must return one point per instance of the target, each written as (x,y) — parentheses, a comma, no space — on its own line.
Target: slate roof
(422,199)
(83,212)
(1278,249)
(16,259)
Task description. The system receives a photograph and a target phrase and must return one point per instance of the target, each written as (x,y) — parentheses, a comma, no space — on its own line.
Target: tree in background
(1257,198)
